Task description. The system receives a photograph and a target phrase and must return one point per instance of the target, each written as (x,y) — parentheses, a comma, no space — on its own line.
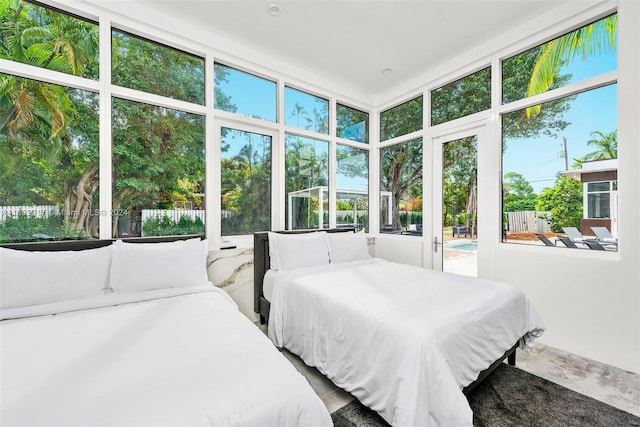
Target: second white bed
(404,340)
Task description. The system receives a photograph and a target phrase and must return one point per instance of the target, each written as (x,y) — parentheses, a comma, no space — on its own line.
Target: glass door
(455,244)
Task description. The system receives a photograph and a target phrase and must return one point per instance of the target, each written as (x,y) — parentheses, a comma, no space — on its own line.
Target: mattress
(404,340)
(183,358)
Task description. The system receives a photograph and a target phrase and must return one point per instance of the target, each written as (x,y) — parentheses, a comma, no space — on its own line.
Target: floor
(608,384)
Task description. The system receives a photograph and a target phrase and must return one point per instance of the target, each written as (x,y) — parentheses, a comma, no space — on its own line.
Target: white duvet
(186,360)
(404,340)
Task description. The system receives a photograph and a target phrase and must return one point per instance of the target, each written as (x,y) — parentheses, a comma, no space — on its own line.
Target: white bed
(180,355)
(404,340)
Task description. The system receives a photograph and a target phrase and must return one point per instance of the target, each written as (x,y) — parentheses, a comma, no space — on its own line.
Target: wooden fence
(528,221)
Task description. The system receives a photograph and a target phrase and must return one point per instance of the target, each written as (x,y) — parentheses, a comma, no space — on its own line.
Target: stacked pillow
(40,277)
(291,251)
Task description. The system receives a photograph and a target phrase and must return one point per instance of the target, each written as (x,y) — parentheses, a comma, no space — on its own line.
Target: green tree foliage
(401,174)
(518,194)
(246,186)
(166,226)
(606,144)
(460,182)
(151,67)
(564,201)
(465,96)
(155,151)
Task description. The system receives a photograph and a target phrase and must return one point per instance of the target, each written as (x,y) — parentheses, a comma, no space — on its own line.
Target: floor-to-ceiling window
(548,143)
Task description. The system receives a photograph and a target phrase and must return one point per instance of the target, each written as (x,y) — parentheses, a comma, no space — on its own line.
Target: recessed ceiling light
(273,9)
(387,71)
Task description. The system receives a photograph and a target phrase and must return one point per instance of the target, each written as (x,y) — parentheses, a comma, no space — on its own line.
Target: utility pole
(565,155)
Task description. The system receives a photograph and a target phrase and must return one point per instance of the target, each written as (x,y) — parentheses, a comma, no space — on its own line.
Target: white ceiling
(350,42)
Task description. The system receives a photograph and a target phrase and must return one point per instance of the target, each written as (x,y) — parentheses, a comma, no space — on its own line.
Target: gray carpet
(513,397)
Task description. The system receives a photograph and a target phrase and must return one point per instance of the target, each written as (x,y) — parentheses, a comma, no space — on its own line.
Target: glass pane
(544,162)
(466,96)
(352,124)
(401,120)
(48,162)
(460,206)
(597,186)
(246,182)
(307,180)
(48,39)
(305,111)
(401,187)
(352,194)
(144,65)
(598,205)
(158,171)
(244,93)
(586,52)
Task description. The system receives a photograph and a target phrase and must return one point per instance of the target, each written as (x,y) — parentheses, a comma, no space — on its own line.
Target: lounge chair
(574,234)
(568,242)
(545,240)
(594,245)
(604,235)
(461,230)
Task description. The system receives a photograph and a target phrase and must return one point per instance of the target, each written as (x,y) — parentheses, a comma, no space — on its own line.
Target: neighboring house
(600,194)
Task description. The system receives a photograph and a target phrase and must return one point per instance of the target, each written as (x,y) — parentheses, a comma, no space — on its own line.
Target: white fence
(31,211)
(528,221)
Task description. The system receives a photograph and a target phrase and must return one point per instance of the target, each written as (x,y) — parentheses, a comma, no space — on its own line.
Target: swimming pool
(462,245)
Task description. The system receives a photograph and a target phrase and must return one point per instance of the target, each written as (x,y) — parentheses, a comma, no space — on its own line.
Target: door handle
(435,244)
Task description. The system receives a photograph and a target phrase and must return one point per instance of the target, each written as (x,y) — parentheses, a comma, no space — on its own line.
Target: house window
(352,193)
(468,95)
(244,93)
(48,162)
(401,187)
(352,124)
(401,120)
(151,67)
(306,183)
(305,111)
(158,170)
(599,199)
(246,182)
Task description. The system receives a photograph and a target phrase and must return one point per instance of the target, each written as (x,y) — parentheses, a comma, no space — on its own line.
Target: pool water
(462,245)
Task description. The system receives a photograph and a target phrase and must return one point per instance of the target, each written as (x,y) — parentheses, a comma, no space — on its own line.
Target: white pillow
(145,266)
(41,277)
(290,251)
(346,247)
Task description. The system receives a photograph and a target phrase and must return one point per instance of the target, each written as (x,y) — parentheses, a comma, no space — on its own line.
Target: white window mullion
(212,161)
(106,167)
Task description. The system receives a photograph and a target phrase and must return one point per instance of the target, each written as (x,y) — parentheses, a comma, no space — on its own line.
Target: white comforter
(190,359)
(404,340)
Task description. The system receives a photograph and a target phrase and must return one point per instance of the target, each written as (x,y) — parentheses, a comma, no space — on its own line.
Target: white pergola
(341,194)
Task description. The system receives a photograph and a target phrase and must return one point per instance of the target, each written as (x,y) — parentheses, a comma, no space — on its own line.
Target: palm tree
(607,144)
(594,38)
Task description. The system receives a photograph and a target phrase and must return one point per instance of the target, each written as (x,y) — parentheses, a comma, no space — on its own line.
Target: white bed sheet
(404,340)
(189,359)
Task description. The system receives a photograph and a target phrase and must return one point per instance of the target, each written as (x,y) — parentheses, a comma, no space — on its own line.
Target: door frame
(213,202)
(433,210)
